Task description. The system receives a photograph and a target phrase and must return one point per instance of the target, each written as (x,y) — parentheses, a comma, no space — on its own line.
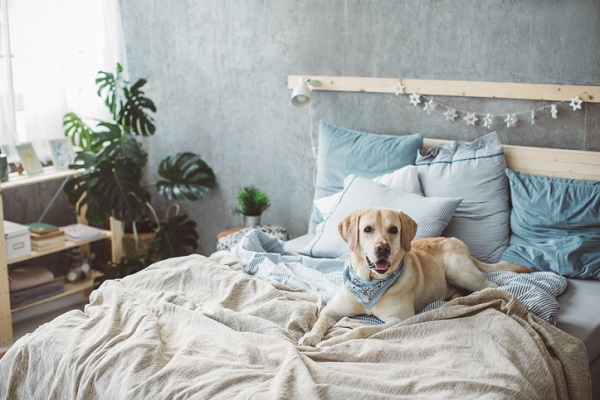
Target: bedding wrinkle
(223,334)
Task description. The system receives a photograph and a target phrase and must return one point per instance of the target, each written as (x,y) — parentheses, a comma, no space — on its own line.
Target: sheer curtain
(56,49)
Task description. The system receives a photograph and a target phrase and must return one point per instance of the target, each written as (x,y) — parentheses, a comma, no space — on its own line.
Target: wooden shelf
(68,245)
(50,173)
(115,235)
(70,288)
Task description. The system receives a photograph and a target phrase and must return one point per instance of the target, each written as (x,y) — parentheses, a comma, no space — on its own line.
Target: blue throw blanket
(263,256)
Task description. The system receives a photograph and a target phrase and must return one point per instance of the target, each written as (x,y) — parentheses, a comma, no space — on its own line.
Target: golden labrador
(391,277)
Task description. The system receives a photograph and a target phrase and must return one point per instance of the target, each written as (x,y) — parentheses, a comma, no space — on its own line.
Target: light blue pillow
(431,213)
(475,172)
(555,224)
(343,152)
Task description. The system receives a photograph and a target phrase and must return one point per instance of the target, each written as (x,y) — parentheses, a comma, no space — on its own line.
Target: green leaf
(109,189)
(118,144)
(80,134)
(112,87)
(175,237)
(135,112)
(187,177)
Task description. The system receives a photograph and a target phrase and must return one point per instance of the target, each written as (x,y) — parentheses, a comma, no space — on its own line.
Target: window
(50,54)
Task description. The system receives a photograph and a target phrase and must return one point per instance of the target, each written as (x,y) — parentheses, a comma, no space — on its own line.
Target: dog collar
(368,293)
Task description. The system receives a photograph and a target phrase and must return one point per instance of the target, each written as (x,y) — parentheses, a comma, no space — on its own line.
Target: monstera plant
(113,160)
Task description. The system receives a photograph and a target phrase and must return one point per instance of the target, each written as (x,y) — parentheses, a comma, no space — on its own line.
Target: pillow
(343,152)
(431,213)
(405,178)
(555,225)
(474,172)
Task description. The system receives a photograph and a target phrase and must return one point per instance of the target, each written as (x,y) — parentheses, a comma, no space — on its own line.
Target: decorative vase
(251,220)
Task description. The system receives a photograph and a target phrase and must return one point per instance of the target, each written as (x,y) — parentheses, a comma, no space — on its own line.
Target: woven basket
(129,244)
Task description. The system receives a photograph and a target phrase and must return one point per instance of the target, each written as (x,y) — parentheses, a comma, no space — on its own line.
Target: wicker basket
(131,248)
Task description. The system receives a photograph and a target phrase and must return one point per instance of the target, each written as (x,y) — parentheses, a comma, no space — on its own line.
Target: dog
(392,277)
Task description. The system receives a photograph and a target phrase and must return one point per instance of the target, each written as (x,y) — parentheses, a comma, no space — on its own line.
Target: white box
(18,241)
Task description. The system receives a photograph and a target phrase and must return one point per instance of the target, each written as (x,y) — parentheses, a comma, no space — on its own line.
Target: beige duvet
(192,328)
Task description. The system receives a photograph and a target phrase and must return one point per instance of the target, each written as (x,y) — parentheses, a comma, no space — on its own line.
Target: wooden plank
(67,245)
(575,164)
(6,334)
(49,174)
(501,90)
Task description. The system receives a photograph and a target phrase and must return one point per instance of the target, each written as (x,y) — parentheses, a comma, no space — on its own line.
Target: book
(37,237)
(41,227)
(79,232)
(49,241)
(48,246)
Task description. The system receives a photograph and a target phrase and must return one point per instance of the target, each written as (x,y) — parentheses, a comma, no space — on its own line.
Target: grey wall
(217,70)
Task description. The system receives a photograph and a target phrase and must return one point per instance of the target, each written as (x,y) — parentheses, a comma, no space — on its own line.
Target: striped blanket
(263,256)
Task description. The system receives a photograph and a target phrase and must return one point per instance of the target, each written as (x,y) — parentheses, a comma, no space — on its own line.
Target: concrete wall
(217,70)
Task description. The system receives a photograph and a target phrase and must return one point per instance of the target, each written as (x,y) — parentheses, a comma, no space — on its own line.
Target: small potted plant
(252,203)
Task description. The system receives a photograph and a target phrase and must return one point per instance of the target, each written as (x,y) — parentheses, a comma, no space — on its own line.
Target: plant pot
(251,220)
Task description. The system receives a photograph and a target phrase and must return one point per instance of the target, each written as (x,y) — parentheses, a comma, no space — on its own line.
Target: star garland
(487,120)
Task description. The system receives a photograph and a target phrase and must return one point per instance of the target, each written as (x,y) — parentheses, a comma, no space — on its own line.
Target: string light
(487,119)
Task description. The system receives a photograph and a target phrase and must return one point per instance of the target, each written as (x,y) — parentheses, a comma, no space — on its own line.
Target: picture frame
(62,153)
(29,159)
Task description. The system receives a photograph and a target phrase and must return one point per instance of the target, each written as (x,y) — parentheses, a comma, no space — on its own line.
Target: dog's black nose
(382,250)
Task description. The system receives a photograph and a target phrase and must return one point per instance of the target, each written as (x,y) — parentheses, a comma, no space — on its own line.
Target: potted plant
(252,203)
(113,159)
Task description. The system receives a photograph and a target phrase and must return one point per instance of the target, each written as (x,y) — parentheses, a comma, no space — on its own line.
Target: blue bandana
(368,293)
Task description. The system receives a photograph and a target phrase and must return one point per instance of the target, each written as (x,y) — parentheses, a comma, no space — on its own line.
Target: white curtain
(57,48)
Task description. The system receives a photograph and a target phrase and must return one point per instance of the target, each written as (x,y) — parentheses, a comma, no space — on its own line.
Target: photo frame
(62,153)
(29,160)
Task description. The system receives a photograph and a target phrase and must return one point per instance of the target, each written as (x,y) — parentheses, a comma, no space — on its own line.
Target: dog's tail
(500,266)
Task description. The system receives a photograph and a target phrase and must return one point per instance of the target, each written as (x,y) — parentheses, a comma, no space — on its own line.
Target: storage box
(18,241)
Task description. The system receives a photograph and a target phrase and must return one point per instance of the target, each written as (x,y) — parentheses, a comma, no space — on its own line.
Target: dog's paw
(309,339)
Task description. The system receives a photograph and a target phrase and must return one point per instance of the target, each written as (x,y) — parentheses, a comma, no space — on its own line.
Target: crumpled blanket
(263,256)
(194,328)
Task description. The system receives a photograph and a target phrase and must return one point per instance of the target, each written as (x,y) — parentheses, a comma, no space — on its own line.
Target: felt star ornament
(471,119)
(575,103)
(554,111)
(429,106)
(399,89)
(450,114)
(415,99)
(487,121)
(511,120)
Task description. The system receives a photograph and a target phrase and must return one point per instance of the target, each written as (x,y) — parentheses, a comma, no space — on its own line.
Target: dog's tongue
(381,265)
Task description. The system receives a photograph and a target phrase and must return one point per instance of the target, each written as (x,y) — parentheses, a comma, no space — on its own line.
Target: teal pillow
(430,213)
(475,172)
(555,225)
(343,152)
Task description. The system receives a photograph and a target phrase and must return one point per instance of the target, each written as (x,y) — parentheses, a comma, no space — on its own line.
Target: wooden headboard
(543,161)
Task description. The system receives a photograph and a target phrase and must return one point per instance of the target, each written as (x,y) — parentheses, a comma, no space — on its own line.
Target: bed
(227,326)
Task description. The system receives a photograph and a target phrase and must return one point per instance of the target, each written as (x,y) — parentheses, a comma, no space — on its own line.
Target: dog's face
(378,238)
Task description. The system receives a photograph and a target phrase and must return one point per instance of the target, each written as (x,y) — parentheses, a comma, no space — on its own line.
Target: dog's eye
(393,230)
(368,229)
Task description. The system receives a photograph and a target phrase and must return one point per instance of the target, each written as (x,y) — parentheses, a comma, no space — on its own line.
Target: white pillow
(432,214)
(404,178)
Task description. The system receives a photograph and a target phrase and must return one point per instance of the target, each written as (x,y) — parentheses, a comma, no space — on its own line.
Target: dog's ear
(407,231)
(348,228)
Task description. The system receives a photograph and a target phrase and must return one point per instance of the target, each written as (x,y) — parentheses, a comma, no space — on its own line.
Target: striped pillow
(474,172)
(430,213)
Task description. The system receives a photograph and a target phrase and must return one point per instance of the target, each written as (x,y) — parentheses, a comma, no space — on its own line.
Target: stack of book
(79,233)
(45,237)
